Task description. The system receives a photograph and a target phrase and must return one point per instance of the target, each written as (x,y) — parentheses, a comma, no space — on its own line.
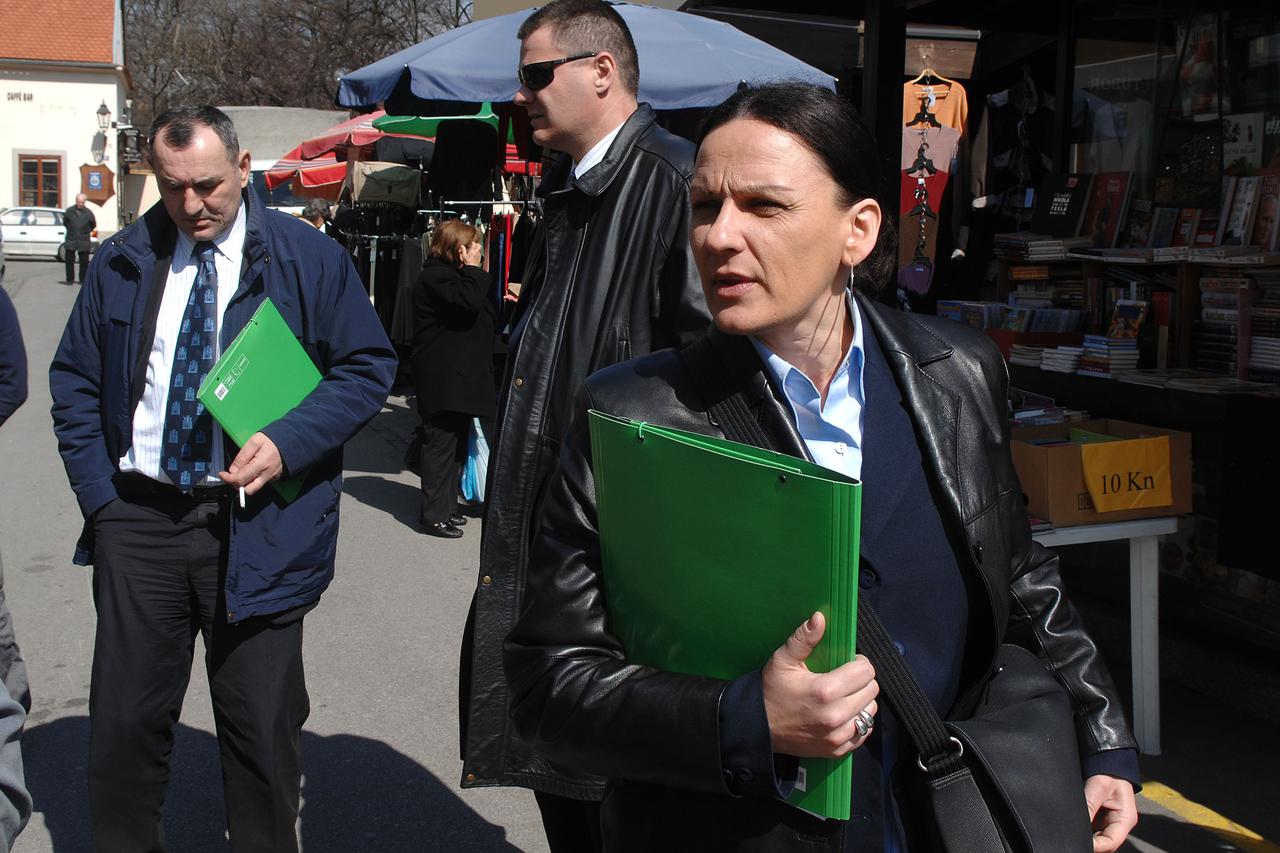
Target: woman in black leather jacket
(453,319)
(784,219)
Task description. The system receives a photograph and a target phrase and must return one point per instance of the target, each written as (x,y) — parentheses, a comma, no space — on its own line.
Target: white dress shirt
(593,157)
(832,432)
(148,419)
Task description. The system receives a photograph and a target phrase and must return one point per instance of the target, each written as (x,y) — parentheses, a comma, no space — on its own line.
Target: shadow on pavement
(399,500)
(357,794)
(379,447)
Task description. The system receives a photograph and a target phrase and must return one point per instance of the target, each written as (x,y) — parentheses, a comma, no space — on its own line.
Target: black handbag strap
(964,820)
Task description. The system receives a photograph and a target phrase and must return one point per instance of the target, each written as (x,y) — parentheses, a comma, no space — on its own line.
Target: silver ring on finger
(864,722)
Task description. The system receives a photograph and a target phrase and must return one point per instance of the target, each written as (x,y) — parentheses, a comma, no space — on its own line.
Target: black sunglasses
(538,75)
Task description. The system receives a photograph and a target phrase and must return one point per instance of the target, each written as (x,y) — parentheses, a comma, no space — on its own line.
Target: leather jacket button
(471,777)
(486,580)
(868,577)
(517,382)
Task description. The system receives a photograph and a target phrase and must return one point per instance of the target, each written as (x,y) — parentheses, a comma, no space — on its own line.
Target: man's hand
(257,464)
(1113,810)
(813,715)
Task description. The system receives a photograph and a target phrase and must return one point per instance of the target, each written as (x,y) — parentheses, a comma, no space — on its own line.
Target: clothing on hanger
(947,102)
(943,144)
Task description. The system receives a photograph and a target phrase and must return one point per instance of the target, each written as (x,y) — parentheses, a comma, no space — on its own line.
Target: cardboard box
(1053,481)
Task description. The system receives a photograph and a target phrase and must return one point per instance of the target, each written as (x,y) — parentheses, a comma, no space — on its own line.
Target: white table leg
(1144,615)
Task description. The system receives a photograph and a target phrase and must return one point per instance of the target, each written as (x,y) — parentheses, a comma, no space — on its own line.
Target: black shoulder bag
(1007,779)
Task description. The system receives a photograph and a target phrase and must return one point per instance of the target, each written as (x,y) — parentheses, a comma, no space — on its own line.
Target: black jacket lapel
(744,372)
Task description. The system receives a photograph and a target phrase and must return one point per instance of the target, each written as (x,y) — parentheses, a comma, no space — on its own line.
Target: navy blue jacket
(13,360)
(280,555)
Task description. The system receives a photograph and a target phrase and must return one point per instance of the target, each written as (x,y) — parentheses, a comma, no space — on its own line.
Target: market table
(1144,614)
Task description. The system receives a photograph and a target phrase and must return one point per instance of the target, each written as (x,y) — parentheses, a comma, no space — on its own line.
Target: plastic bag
(476,468)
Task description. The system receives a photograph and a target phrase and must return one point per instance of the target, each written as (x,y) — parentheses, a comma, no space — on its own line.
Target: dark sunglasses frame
(531,75)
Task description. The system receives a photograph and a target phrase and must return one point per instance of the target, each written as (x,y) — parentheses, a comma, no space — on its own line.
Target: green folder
(714,552)
(263,375)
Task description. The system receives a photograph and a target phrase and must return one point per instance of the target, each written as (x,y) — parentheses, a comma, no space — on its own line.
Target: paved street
(380,747)
(381,652)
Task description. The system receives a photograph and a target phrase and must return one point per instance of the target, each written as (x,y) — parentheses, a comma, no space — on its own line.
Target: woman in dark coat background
(453,319)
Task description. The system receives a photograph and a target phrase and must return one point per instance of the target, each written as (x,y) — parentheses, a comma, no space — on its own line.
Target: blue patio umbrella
(685,61)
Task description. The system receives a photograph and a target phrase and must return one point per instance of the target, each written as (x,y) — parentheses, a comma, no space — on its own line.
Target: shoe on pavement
(458,520)
(443,529)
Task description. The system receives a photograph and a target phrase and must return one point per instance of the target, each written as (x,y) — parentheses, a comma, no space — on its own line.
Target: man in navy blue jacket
(13,360)
(174,551)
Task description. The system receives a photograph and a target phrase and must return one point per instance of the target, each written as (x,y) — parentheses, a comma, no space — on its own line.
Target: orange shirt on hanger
(950,103)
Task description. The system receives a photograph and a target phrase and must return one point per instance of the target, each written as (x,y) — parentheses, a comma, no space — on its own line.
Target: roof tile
(57,30)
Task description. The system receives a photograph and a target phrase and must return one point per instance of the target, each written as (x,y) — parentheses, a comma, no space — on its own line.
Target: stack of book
(1028,246)
(1025,355)
(980,315)
(1264,345)
(1061,359)
(1158,377)
(1105,357)
(1215,337)
(1047,415)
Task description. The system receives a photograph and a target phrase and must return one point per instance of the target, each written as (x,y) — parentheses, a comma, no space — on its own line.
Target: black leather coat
(453,340)
(609,277)
(655,734)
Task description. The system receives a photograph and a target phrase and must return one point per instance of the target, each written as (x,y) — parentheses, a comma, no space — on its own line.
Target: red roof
(58,30)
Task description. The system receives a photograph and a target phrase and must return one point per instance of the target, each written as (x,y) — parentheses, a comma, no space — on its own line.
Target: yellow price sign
(1132,474)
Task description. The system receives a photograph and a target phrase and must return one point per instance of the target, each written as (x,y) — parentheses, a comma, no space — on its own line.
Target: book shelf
(1183,277)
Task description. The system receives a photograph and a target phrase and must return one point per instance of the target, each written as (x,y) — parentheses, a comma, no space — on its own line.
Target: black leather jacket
(609,276)
(655,734)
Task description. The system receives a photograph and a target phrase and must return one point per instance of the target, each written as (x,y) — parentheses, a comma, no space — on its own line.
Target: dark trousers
(444,450)
(69,257)
(158,581)
(572,826)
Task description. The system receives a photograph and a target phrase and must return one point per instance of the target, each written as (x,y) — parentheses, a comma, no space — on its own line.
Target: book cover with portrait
(1108,203)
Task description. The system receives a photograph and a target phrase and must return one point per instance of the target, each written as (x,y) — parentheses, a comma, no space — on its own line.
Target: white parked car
(35,231)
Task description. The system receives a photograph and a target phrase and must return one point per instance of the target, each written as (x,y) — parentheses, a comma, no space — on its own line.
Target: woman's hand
(471,255)
(1113,810)
(814,715)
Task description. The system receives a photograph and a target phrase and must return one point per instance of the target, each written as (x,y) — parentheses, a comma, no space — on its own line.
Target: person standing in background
(453,319)
(317,213)
(80,223)
(609,277)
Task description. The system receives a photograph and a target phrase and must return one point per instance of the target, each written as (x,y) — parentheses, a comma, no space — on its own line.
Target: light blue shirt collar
(832,432)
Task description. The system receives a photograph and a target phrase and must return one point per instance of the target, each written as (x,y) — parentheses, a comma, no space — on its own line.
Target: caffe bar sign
(25,97)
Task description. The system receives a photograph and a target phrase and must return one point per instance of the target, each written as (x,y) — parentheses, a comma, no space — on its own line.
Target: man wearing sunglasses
(609,277)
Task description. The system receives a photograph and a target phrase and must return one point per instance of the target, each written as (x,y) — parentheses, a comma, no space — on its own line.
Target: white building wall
(54,111)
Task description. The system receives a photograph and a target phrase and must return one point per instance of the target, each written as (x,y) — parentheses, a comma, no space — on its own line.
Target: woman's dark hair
(833,130)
